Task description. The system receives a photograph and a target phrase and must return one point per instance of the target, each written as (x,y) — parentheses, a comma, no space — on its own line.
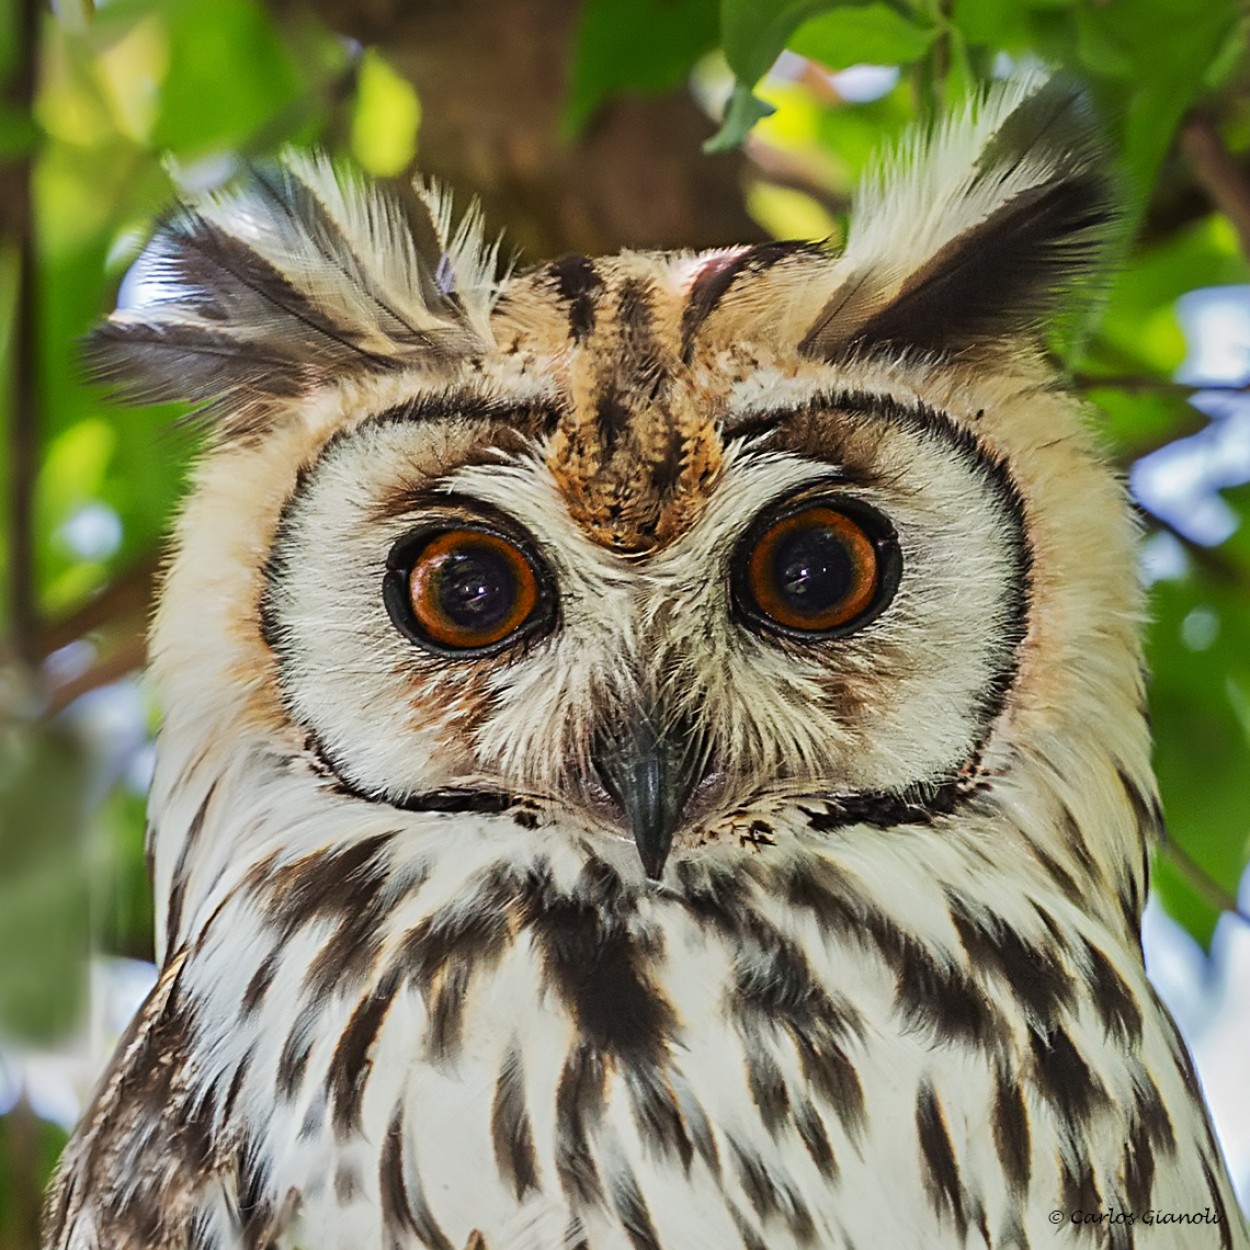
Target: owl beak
(650,773)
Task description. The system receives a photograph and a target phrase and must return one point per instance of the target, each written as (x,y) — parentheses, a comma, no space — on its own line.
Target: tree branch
(126,655)
(1137,384)
(779,168)
(24,1180)
(126,600)
(1203,882)
(1220,175)
(1209,559)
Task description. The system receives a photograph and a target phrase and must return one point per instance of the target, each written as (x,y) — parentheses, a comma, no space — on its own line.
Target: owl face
(444,617)
(653,542)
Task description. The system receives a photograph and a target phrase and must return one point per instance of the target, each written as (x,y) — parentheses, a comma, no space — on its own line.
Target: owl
(654,749)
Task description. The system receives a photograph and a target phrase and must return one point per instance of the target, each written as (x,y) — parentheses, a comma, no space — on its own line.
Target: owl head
(658,543)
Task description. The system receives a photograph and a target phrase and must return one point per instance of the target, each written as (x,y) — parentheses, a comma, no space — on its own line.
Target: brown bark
(17,232)
(1219,174)
(491,75)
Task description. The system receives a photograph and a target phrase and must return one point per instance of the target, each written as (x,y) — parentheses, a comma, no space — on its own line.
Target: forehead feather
(645,348)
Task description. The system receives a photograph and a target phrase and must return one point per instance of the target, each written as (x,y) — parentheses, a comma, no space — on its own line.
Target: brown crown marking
(639,446)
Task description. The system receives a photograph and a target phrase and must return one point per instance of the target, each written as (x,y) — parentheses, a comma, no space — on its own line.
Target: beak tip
(654,868)
(650,777)
(654,844)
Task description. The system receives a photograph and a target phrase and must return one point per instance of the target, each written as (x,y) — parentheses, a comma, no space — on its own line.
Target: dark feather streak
(771,1194)
(578,284)
(1066,1081)
(443,954)
(1012,1137)
(597,963)
(350,1066)
(579,1104)
(511,1132)
(405,1212)
(1030,972)
(1112,999)
(631,1207)
(941,1174)
(173,917)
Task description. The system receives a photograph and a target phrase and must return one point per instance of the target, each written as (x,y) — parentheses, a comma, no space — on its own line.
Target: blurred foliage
(140,91)
(43,900)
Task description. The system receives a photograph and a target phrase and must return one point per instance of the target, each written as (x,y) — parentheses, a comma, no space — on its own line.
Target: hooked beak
(650,772)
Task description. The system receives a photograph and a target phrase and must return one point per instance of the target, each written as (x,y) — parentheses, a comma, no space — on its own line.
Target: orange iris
(470,589)
(813,570)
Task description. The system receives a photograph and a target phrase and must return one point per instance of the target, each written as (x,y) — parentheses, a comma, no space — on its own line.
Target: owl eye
(466,590)
(820,569)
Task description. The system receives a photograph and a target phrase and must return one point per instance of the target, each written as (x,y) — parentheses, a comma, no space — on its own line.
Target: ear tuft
(978,233)
(299,276)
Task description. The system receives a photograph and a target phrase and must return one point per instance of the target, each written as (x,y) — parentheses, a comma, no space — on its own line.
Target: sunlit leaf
(790,214)
(386,117)
(74,468)
(131,71)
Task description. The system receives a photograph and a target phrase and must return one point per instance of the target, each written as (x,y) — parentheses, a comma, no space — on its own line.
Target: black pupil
(813,570)
(476,587)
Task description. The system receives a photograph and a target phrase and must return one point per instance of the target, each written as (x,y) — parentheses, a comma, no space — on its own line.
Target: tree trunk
(492,76)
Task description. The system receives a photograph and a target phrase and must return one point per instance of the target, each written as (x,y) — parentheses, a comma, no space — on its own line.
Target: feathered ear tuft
(299,276)
(976,234)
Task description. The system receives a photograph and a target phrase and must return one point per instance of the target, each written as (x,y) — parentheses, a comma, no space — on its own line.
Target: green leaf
(1197,653)
(634,45)
(990,22)
(1230,57)
(744,109)
(1101,50)
(870,34)
(754,32)
(386,117)
(1161,74)
(229,75)
(29,1149)
(43,905)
